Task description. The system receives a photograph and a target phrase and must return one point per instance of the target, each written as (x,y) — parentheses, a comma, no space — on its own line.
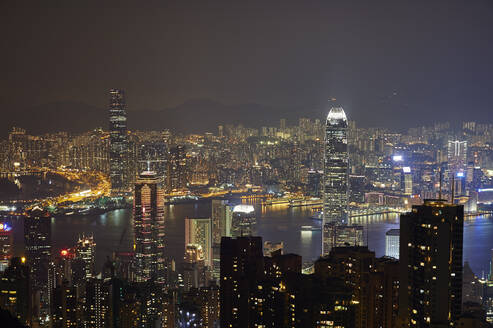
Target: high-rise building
(85,253)
(118,142)
(392,243)
(193,267)
(244,221)
(374,283)
(242,267)
(16,295)
(407,181)
(222,216)
(177,169)
(37,241)
(198,231)
(336,170)
(6,240)
(430,257)
(148,215)
(341,235)
(457,155)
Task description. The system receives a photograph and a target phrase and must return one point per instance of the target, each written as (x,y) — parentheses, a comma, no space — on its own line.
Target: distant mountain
(197,115)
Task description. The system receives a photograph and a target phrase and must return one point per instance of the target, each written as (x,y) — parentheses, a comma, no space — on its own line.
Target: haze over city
(389,64)
(246,164)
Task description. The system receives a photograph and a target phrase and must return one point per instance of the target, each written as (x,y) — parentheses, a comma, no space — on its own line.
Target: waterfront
(113,231)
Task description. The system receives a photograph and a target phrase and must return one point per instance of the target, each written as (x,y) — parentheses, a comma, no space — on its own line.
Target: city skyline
(239,164)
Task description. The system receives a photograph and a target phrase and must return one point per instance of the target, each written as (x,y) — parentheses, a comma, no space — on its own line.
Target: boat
(310,228)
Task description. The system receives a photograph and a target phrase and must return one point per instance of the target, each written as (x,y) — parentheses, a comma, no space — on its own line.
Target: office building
(222,216)
(336,170)
(457,155)
(243,221)
(407,181)
(194,275)
(392,243)
(430,256)
(198,231)
(148,212)
(85,253)
(118,142)
(340,235)
(37,241)
(6,240)
(177,169)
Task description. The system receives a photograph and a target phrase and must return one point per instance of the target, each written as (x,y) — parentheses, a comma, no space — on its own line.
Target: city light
(5,227)
(397,158)
(244,209)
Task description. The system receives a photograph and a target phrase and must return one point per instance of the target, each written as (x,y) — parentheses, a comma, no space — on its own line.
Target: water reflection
(113,231)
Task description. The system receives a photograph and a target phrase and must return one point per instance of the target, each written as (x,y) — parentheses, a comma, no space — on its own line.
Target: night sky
(388,63)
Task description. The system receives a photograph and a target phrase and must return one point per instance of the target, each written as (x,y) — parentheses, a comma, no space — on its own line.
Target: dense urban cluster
(435,176)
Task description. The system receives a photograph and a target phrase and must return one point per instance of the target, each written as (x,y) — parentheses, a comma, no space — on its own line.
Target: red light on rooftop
(64,252)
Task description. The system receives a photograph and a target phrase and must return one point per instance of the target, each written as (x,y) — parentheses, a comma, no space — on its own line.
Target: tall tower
(85,253)
(336,171)
(118,141)
(37,240)
(430,258)
(149,228)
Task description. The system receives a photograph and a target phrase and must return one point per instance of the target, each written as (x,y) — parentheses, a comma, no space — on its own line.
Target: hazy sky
(390,60)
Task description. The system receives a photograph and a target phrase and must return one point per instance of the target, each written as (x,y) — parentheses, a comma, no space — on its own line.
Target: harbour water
(112,231)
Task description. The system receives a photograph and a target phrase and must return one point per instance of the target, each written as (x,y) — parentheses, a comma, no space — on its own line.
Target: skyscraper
(118,141)
(431,237)
(177,169)
(6,240)
(37,240)
(198,231)
(242,267)
(85,253)
(457,155)
(222,215)
(336,171)
(392,243)
(149,228)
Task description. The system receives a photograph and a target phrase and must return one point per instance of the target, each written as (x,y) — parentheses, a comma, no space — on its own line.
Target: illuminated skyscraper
(430,257)
(85,253)
(118,141)
(149,228)
(177,169)
(37,239)
(222,216)
(392,243)
(198,231)
(244,221)
(457,155)
(6,240)
(336,171)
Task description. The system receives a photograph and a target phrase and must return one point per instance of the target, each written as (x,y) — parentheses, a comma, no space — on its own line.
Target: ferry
(310,228)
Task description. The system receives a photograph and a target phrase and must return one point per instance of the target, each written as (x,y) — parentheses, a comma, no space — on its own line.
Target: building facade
(148,211)
(118,142)
(431,238)
(336,170)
